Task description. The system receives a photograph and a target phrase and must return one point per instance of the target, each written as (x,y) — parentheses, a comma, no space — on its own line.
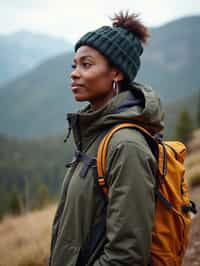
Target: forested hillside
(31,172)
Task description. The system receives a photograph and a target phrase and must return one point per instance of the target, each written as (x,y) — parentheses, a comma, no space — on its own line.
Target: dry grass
(194,143)
(193,168)
(25,240)
(192,162)
(192,257)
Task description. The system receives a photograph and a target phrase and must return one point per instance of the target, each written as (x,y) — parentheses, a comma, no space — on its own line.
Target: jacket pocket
(66,254)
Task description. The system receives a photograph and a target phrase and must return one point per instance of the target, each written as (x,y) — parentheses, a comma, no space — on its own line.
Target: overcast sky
(71,19)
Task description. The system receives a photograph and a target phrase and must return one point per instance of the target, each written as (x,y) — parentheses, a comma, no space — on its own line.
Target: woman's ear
(118,75)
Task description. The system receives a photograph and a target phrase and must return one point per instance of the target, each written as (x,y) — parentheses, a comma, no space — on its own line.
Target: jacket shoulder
(129,135)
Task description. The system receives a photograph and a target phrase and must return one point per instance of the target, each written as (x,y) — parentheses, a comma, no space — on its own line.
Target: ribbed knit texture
(120,46)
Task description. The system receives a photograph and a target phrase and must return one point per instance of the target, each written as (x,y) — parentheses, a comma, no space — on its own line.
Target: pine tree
(2,200)
(15,204)
(198,110)
(43,195)
(184,125)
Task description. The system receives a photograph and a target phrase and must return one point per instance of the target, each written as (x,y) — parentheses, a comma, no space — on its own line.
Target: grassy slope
(25,240)
(193,159)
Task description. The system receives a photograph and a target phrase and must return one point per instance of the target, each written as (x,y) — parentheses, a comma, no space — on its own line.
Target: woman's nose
(75,73)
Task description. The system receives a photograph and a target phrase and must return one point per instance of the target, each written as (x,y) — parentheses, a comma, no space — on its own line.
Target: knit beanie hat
(119,45)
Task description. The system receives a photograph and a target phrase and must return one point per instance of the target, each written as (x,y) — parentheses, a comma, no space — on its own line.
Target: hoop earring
(115,87)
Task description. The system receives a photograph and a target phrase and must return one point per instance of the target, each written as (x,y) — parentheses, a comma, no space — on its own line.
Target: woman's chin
(79,98)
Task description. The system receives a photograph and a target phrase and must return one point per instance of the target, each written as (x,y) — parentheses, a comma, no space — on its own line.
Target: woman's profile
(87,229)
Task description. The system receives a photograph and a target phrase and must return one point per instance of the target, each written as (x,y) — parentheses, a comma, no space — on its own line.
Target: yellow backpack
(172,218)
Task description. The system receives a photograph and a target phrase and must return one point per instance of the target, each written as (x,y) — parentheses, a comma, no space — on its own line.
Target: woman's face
(92,77)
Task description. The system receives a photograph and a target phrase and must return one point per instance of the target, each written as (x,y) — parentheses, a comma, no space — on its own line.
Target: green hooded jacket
(130,170)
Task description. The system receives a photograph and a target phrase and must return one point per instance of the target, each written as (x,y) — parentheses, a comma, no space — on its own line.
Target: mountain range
(35,103)
(21,51)
(171,60)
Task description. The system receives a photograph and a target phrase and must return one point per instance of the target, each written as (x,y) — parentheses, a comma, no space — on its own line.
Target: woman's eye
(84,64)
(87,65)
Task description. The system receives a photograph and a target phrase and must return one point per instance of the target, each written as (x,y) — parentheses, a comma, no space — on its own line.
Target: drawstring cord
(68,131)
(68,134)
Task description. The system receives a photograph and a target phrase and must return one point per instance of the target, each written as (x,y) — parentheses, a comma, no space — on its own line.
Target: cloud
(27,4)
(70,19)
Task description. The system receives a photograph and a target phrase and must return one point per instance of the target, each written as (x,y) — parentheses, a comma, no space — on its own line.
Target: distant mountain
(35,103)
(21,51)
(171,61)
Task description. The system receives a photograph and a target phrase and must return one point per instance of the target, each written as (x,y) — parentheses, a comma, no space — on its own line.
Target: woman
(87,229)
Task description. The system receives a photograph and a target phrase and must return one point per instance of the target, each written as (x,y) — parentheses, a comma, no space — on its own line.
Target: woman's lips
(76,86)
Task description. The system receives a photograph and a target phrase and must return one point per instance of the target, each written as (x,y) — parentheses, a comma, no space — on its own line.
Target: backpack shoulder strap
(103,148)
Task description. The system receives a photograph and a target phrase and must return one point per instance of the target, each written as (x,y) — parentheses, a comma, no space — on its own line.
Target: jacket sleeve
(130,212)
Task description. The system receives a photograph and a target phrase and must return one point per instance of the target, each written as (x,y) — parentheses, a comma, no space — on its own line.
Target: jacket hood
(138,104)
